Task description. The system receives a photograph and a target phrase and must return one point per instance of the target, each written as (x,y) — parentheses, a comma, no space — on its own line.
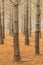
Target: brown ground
(27,52)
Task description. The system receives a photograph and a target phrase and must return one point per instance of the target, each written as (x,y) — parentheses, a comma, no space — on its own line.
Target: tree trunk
(30,17)
(16,34)
(10,24)
(3,28)
(1,37)
(40,23)
(40,29)
(26,26)
(37,32)
(11,21)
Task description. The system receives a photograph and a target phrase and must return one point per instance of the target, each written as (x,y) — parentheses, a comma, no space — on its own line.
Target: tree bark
(11,20)
(1,37)
(16,34)
(26,26)
(37,32)
(30,17)
(10,24)
(3,27)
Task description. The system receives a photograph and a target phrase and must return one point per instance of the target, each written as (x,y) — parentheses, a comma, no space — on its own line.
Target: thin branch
(14,3)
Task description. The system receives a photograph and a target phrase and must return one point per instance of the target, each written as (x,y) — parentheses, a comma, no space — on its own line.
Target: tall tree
(24,23)
(37,32)
(40,20)
(1,37)
(30,17)
(40,27)
(10,24)
(26,26)
(3,27)
(11,19)
(16,33)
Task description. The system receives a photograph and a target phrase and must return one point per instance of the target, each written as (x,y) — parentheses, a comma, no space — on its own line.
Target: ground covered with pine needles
(27,53)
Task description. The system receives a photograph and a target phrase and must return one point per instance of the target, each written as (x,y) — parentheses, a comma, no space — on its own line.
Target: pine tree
(3,27)
(30,17)
(26,26)
(16,34)
(37,32)
(1,37)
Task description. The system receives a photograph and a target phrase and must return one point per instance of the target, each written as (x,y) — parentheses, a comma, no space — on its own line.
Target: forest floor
(27,52)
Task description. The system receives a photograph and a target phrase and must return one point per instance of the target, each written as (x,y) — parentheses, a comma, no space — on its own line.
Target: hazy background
(22,8)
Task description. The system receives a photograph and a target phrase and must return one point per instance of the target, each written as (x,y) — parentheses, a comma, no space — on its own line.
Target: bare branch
(14,3)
